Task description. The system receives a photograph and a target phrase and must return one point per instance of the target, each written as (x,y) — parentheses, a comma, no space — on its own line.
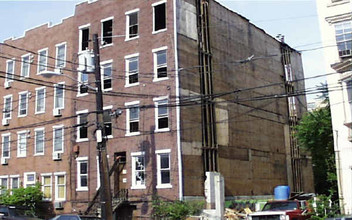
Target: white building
(336,31)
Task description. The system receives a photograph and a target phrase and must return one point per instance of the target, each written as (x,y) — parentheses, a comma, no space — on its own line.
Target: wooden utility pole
(105,192)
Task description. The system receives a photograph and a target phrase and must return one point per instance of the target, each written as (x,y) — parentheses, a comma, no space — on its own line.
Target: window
(107,121)
(15,181)
(106,68)
(60,55)
(343,32)
(132,69)
(22,144)
(10,70)
(84,37)
(163,168)
(59,96)
(160,63)
(132,24)
(161,114)
(82,174)
(23,104)
(42,60)
(58,139)
(29,179)
(6,140)
(39,136)
(138,170)
(47,186)
(3,184)
(7,107)
(106,31)
(25,67)
(159,16)
(60,186)
(82,129)
(82,83)
(40,100)
(132,120)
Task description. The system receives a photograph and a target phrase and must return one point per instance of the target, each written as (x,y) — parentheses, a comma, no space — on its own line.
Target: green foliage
(314,134)
(175,210)
(29,197)
(324,207)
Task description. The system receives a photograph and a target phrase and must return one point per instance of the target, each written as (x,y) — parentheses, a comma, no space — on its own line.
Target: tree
(314,133)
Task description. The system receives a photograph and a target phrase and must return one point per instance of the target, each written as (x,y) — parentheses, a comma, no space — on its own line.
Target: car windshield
(280,206)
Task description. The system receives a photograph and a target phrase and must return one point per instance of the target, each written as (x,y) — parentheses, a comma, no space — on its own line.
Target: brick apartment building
(193,99)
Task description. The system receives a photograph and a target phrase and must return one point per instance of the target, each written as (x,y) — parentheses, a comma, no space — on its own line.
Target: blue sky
(295,19)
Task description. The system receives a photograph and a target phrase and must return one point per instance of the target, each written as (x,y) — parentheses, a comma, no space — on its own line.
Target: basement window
(159,16)
(106,32)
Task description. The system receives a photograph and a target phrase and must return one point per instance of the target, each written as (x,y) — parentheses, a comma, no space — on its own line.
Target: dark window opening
(83,89)
(122,157)
(134,126)
(85,39)
(160,17)
(133,79)
(107,32)
(162,72)
(107,84)
(163,122)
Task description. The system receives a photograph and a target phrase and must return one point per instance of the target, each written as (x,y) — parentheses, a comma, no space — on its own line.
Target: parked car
(282,210)
(16,213)
(75,217)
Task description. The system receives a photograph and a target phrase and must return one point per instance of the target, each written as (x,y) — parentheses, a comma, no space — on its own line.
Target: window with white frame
(84,37)
(42,60)
(82,83)
(29,179)
(4,181)
(163,168)
(138,170)
(6,140)
(106,68)
(132,118)
(60,56)
(10,70)
(343,33)
(160,63)
(23,104)
(159,16)
(40,100)
(60,186)
(39,136)
(22,144)
(58,139)
(107,121)
(82,128)
(132,24)
(82,174)
(132,69)
(59,93)
(161,114)
(15,181)
(46,186)
(25,65)
(7,112)
(106,31)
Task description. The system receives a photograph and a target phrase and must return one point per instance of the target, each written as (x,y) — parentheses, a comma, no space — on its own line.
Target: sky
(295,19)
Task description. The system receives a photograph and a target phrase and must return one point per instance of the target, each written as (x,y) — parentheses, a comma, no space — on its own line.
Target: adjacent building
(336,30)
(199,87)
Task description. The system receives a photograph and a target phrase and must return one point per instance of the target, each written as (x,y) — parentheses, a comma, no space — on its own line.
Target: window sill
(39,113)
(132,134)
(132,38)
(82,189)
(162,130)
(131,85)
(82,95)
(21,116)
(164,186)
(21,156)
(338,3)
(160,79)
(107,90)
(47,200)
(37,155)
(159,31)
(138,187)
(106,45)
(82,140)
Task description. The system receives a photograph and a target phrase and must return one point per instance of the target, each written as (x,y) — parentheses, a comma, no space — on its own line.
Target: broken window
(106,32)
(159,17)
(138,170)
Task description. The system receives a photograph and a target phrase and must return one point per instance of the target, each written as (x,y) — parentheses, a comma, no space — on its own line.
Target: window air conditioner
(5,121)
(56,156)
(57,112)
(58,205)
(7,84)
(4,161)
